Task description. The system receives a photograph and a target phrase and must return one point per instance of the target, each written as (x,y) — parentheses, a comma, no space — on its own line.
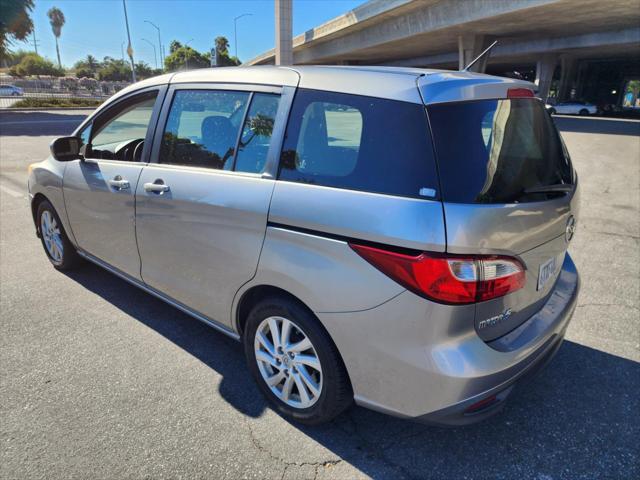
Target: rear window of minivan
(359,143)
(493,151)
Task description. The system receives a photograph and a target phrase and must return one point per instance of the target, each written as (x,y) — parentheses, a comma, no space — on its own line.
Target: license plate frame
(546,272)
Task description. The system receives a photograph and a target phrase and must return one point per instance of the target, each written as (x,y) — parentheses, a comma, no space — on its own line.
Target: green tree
(143,70)
(87,68)
(115,70)
(56,18)
(222,53)
(15,23)
(222,45)
(174,45)
(184,57)
(33,64)
(14,58)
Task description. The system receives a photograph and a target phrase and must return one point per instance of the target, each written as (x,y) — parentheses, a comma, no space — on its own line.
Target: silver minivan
(390,236)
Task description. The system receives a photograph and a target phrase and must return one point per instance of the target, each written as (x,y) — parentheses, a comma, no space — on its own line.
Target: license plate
(547,269)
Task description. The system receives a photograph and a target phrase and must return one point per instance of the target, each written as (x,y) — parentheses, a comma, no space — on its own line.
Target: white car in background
(573,108)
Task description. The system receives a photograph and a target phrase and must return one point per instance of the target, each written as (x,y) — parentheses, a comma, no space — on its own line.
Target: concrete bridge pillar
(284,34)
(544,75)
(568,65)
(469,47)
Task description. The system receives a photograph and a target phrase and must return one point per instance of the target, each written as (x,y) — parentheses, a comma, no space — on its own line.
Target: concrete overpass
(550,36)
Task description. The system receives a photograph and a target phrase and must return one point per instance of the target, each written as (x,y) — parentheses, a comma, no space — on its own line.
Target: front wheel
(295,363)
(583,112)
(59,250)
(552,111)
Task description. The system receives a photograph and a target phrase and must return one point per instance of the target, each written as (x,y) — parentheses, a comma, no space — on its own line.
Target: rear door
(202,204)
(99,190)
(508,188)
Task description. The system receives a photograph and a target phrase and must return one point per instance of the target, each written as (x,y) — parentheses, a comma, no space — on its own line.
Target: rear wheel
(294,362)
(59,250)
(552,111)
(583,112)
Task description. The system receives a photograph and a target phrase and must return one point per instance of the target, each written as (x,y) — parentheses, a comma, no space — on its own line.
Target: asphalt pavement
(100,380)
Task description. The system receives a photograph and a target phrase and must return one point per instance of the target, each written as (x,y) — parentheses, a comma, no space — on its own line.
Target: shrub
(32,64)
(55,102)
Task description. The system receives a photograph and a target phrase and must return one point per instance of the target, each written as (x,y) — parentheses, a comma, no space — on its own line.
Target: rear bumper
(420,360)
(458,414)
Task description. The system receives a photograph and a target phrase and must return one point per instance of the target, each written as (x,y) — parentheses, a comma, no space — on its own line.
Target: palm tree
(56,18)
(222,45)
(92,63)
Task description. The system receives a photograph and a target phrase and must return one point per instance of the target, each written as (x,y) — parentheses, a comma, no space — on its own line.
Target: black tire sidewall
(332,399)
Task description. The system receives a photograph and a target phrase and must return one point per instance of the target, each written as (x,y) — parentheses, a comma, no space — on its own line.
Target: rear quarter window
(359,143)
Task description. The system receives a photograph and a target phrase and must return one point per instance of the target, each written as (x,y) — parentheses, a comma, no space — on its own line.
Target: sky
(97,27)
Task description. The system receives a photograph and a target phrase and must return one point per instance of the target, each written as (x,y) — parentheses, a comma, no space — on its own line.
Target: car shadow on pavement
(607,126)
(39,123)
(577,419)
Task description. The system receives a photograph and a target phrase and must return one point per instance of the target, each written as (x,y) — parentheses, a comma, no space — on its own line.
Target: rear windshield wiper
(558,187)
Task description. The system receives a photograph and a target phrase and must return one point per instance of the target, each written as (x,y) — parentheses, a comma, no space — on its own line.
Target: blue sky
(97,26)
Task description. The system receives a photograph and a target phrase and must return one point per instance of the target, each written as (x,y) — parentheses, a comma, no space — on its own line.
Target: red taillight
(519,93)
(448,278)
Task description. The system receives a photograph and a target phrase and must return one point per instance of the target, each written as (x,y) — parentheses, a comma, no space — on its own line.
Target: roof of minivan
(395,83)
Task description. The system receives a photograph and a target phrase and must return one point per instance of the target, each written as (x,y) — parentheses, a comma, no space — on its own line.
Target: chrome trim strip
(161,296)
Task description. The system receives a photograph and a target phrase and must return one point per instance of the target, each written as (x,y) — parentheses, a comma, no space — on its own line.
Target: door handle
(119,183)
(156,187)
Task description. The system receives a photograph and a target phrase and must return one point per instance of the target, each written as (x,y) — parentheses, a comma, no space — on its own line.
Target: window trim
(240,130)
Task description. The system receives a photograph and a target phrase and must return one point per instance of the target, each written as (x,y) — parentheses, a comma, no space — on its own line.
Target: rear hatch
(508,189)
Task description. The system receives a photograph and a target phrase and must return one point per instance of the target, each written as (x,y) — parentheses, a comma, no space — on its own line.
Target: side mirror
(66,149)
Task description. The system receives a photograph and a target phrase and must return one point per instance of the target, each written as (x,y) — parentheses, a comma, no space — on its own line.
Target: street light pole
(235,30)
(155,58)
(162,54)
(129,48)
(186,54)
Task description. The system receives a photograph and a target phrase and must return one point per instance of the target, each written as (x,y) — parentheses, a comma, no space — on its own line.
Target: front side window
(120,136)
(359,143)
(202,128)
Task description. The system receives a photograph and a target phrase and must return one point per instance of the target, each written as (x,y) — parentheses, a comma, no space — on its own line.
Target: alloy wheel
(50,231)
(288,362)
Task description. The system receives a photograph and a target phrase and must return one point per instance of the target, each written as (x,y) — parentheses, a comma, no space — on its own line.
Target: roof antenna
(473,62)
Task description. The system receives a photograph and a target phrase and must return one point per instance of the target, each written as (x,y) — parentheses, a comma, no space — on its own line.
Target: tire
(59,250)
(583,112)
(552,111)
(330,380)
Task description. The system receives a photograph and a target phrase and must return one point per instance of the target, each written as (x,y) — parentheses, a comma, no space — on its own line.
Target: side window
(359,143)
(256,133)
(202,128)
(120,136)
